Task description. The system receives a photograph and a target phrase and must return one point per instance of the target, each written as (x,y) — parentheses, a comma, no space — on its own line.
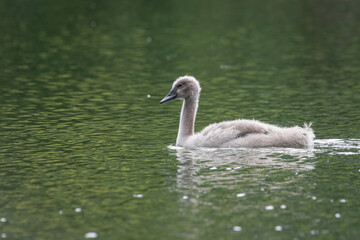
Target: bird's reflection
(202,169)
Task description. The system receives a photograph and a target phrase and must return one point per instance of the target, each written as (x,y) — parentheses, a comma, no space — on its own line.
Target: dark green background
(77,128)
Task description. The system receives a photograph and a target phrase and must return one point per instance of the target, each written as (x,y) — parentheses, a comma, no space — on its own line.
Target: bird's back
(251,133)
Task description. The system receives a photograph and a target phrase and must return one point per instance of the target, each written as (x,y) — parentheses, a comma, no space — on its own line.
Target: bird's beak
(170,96)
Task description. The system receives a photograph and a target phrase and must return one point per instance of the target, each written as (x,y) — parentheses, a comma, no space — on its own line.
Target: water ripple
(338,146)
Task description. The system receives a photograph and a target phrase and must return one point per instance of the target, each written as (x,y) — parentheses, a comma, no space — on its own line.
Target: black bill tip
(170,96)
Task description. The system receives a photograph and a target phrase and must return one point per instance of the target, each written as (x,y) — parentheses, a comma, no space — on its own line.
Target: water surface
(87,151)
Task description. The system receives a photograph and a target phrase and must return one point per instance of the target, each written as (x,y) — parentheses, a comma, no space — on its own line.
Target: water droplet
(213,168)
(313,198)
(262,189)
(223,66)
(237,228)
(138,195)
(228,168)
(278,228)
(269,207)
(185,197)
(314,232)
(61,211)
(91,235)
(3,219)
(283,206)
(148,96)
(78,209)
(237,168)
(337,215)
(241,195)
(3,235)
(343,200)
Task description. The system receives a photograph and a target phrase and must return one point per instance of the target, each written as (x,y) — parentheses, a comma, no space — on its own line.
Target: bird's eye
(180,85)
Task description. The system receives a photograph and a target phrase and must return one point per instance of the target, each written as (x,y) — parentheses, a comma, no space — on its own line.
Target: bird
(237,133)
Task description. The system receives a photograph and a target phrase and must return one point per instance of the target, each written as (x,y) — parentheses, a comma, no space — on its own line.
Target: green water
(85,146)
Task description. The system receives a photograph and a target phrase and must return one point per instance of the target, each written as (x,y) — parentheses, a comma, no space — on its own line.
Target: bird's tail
(310,134)
(307,126)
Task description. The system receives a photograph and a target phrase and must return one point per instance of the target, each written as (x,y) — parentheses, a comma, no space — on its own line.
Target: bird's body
(249,133)
(236,133)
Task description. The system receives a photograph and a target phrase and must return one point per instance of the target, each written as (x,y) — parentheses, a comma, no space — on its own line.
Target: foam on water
(333,146)
(338,146)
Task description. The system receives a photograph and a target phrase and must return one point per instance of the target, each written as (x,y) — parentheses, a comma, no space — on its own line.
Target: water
(86,151)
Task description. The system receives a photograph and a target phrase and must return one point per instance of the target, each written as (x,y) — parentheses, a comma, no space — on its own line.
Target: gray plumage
(236,133)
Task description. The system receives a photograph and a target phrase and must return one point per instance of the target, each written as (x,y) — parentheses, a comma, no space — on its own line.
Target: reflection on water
(227,160)
(244,173)
(202,169)
(219,165)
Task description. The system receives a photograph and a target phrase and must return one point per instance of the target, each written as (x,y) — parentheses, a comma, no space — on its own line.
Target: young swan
(236,133)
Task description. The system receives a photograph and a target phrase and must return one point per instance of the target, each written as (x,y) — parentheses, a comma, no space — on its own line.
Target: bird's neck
(187,119)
